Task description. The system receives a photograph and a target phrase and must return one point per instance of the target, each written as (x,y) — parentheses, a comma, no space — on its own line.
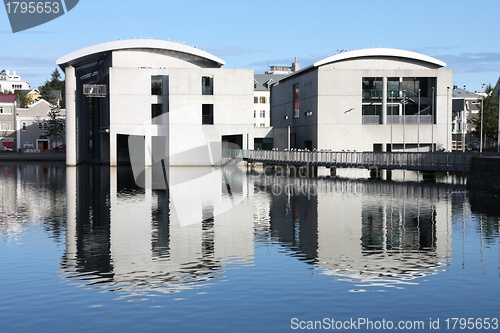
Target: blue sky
(253,34)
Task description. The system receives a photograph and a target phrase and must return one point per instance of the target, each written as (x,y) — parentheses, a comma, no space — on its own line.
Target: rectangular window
(372,114)
(256,100)
(7,126)
(296,101)
(309,113)
(372,87)
(156,112)
(6,109)
(207,85)
(262,113)
(156,85)
(262,100)
(254,112)
(24,126)
(393,88)
(40,126)
(207,114)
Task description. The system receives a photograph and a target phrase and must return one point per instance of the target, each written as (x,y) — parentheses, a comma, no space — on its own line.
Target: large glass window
(393,88)
(372,114)
(372,87)
(156,112)
(296,100)
(207,114)
(156,85)
(207,85)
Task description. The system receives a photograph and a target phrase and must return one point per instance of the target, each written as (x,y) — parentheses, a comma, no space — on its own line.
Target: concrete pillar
(148,150)
(71,148)
(384,101)
(113,160)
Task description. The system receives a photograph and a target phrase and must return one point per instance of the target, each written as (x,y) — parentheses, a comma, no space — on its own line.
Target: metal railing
(428,161)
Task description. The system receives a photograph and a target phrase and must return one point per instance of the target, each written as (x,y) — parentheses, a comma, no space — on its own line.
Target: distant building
(366,100)
(466,107)
(261,98)
(10,83)
(32,124)
(7,121)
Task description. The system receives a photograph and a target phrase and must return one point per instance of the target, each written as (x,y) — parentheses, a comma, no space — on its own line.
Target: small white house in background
(11,82)
(170,96)
(366,100)
(32,124)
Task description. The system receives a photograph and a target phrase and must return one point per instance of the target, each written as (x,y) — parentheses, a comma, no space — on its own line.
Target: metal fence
(428,161)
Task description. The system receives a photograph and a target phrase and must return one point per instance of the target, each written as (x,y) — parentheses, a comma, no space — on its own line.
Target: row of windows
(261,100)
(207,85)
(6,110)
(6,126)
(262,113)
(207,113)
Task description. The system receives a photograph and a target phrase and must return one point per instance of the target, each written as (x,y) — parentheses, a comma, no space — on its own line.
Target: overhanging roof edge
(64,61)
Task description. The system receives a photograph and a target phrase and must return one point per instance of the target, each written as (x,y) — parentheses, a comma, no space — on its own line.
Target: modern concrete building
(12,82)
(168,97)
(366,100)
(7,121)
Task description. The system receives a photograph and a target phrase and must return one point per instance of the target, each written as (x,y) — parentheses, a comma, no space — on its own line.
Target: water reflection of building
(365,231)
(122,236)
(32,194)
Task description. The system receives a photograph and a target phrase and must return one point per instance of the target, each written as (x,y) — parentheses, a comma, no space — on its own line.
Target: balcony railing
(374,93)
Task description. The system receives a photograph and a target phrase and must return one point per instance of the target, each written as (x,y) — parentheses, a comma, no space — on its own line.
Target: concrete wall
(130,107)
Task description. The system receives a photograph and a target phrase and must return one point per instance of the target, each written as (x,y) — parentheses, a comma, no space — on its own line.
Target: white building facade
(12,82)
(366,100)
(172,99)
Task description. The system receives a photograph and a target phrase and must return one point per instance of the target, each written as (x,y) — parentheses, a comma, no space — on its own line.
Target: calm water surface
(86,250)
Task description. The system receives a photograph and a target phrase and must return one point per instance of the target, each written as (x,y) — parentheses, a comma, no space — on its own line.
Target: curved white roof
(136,44)
(380,52)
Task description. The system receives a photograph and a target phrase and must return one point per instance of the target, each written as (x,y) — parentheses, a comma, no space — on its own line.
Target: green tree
(54,83)
(490,117)
(55,125)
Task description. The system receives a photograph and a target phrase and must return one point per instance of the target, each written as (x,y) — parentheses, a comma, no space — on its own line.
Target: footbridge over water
(418,161)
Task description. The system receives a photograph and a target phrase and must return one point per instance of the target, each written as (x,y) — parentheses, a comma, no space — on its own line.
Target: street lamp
(482,106)
(418,126)
(432,120)
(464,120)
(404,119)
(447,118)
(392,114)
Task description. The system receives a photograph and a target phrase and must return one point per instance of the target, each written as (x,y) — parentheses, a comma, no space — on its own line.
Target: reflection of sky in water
(290,241)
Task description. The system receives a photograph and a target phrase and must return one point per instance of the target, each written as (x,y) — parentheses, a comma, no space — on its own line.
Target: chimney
(14,73)
(295,65)
(8,72)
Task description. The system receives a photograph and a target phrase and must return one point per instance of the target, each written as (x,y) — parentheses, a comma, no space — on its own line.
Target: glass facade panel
(156,85)
(207,85)
(372,87)
(207,114)
(372,114)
